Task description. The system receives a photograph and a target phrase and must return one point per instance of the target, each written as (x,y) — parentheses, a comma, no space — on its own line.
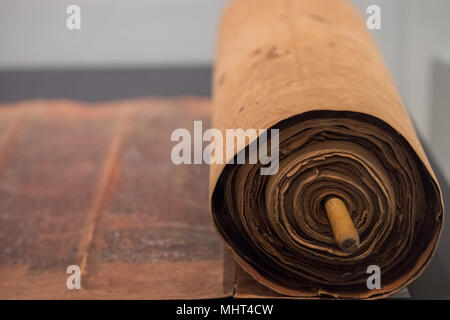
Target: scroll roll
(311,70)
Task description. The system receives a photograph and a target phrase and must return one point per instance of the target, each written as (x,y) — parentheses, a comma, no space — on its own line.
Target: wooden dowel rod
(342,225)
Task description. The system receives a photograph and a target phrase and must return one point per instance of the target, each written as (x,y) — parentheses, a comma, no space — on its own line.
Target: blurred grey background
(143,47)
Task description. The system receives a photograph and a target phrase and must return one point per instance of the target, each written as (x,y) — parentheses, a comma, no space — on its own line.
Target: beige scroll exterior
(311,69)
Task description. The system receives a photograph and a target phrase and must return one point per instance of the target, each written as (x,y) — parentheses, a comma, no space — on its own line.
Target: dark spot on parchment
(222,79)
(319,18)
(272,53)
(256,52)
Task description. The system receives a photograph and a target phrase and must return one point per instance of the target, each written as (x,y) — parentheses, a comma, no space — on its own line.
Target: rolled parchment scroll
(310,69)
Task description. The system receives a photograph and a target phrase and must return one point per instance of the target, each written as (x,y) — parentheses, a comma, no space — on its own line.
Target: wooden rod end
(342,225)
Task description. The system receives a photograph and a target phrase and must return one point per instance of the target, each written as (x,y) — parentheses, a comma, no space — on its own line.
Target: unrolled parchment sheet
(310,69)
(92,185)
